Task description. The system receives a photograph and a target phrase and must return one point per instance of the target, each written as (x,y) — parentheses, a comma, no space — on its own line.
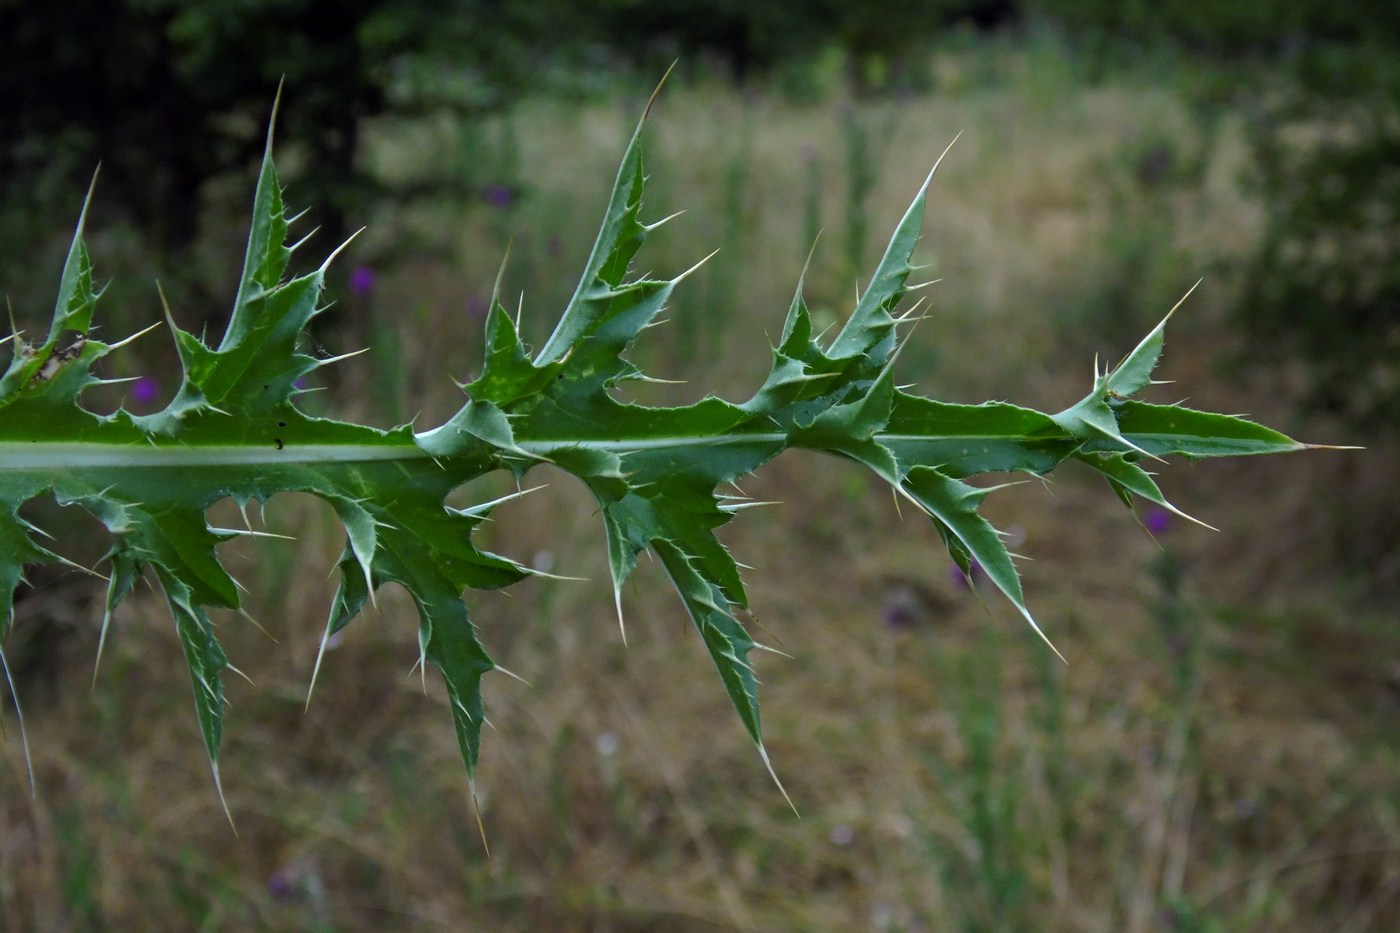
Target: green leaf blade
(234,430)
(619,238)
(1164,430)
(725,637)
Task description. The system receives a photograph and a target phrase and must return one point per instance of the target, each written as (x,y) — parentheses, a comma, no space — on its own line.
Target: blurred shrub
(170,95)
(1265,27)
(1323,291)
(1136,268)
(881,41)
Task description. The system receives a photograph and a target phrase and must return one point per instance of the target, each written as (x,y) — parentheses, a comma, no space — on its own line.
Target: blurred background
(1220,753)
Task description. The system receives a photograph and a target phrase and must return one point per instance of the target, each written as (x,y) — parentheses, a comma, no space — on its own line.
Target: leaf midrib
(43,455)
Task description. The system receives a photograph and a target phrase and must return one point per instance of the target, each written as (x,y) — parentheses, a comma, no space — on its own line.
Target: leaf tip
(272,119)
(768,763)
(646,112)
(476,810)
(219,788)
(621,625)
(937,162)
(1043,637)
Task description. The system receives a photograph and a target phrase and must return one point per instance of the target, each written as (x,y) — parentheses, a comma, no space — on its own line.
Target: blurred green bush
(170,93)
(1322,294)
(1252,28)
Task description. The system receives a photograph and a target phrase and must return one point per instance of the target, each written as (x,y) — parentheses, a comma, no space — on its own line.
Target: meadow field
(1218,754)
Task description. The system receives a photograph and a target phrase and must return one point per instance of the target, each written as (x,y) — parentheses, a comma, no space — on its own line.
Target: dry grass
(1235,770)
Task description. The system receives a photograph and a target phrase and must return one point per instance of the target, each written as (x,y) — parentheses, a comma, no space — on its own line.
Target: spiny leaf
(1128,480)
(234,430)
(1162,430)
(953,506)
(267,255)
(18,548)
(1135,372)
(871,324)
(619,239)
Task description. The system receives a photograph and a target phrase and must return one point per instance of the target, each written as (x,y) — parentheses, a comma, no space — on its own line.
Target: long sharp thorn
(223,801)
(23,733)
(101,643)
(140,333)
(1026,613)
(767,763)
(1183,298)
(680,278)
(939,160)
(15,332)
(257,625)
(339,249)
(514,676)
(621,625)
(87,570)
(480,510)
(659,85)
(476,808)
(316,669)
(239,673)
(654,224)
(297,245)
(342,357)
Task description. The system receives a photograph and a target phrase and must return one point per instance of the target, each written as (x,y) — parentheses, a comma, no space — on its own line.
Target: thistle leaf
(1128,480)
(1162,430)
(234,430)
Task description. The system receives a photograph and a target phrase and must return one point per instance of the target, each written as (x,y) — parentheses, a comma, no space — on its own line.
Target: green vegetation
(234,431)
(1218,754)
(1324,288)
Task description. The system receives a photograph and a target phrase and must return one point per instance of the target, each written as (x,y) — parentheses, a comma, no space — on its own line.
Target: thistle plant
(663,477)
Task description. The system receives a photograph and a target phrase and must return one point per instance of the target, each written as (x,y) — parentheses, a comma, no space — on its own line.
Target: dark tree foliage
(1254,27)
(753,37)
(170,93)
(1323,292)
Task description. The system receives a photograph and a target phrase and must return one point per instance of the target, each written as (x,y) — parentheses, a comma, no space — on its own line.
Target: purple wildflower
(282,884)
(477,306)
(362,279)
(900,608)
(498,196)
(145,390)
(1157,521)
